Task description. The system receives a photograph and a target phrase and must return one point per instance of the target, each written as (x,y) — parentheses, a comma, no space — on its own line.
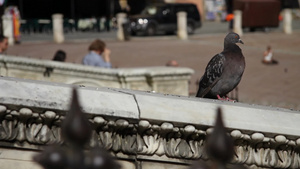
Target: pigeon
(224,71)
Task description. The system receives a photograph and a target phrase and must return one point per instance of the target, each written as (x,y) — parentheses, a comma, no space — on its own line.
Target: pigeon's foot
(225,98)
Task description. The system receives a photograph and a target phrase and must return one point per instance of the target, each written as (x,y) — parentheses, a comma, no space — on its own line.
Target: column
(121,18)
(182,25)
(58,28)
(287,21)
(237,22)
(8,29)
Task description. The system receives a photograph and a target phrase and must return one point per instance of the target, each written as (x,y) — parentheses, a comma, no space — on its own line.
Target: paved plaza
(277,85)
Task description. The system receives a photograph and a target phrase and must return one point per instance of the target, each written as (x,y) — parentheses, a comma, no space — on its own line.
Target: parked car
(162,18)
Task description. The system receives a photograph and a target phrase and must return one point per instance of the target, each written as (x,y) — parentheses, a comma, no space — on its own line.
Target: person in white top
(268,57)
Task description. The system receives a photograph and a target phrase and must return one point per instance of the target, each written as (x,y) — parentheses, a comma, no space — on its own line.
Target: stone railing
(143,130)
(168,80)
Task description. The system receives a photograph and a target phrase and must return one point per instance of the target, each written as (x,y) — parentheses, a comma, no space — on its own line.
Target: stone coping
(149,106)
(56,96)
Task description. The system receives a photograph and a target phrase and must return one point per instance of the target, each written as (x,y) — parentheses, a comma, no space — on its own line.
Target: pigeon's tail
(199,93)
(205,94)
(200,88)
(202,92)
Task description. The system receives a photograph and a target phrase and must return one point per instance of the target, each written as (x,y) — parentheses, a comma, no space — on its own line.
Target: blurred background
(263,23)
(35,16)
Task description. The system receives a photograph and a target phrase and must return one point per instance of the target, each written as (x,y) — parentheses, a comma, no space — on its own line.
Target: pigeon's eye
(235,37)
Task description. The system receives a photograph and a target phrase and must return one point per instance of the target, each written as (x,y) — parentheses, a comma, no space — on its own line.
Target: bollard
(182,25)
(237,22)
(120,20)
(8,28)
(58,30)
(287,21)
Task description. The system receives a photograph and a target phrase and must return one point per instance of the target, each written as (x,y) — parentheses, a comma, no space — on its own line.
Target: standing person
(15,14)
(98,55)
(3,44)
(16,24)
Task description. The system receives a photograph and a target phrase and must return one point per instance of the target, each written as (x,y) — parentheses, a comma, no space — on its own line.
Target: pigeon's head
(233,38)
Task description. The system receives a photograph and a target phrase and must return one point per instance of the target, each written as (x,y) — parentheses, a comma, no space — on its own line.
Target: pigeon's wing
(213,72)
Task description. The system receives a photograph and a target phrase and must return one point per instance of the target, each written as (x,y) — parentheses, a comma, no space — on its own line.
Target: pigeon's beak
(240,41)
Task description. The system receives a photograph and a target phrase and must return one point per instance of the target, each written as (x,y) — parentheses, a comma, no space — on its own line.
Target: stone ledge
(197,111)
(150,106)
(147,125)
(57,96)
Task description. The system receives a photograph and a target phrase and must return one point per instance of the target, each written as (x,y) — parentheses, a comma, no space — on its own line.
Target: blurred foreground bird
(224,71)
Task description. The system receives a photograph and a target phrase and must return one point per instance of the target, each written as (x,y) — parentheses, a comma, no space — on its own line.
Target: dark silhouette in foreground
(76,131)
(219,148)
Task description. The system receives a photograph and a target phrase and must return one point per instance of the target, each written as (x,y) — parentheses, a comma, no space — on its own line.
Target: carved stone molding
(28,128)
(274,152)
(24,125)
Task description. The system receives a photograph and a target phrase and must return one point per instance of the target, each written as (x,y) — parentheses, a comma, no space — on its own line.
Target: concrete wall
(163,131)
(168,80)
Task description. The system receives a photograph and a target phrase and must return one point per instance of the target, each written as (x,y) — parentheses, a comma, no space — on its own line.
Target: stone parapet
(145,128)
(168,80)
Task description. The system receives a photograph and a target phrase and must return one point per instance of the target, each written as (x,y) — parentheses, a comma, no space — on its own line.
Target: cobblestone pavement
(277,85)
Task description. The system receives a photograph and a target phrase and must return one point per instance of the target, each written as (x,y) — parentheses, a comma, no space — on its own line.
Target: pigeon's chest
(231,76)
(234,66)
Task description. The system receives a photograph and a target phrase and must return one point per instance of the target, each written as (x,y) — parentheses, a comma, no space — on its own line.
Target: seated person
(3,44)
(268,57)
(59,56)
(98,55)
(172,63)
